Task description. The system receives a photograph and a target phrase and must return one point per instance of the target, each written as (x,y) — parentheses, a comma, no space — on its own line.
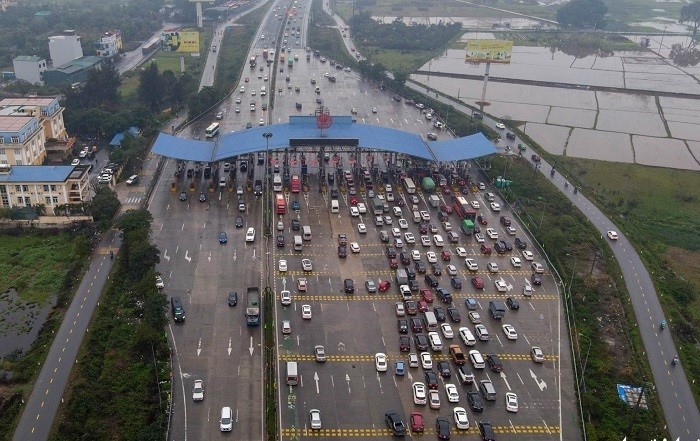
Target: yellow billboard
(489,51)
(180,41)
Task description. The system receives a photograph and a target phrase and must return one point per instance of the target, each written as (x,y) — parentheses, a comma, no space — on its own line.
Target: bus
(212,130)
(463,209)
(280,204)
(292,373)
(252,311)
(277,182)
(296,184)
(409,185)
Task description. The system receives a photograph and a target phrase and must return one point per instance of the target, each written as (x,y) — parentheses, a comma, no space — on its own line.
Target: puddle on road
(20,322)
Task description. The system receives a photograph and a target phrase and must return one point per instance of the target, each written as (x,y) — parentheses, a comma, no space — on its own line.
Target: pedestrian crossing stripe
(368,432)
(397,357)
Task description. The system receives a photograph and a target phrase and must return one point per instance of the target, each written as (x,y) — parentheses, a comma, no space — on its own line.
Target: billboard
(489,51)
(180,41)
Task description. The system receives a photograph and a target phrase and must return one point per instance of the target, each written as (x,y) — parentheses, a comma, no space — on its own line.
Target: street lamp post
(266,203)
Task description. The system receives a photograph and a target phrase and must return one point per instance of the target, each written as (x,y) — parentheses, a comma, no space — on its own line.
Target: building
(109,45)
(65,48)
(29,68)
(30,185)
(75,71)
(22,140)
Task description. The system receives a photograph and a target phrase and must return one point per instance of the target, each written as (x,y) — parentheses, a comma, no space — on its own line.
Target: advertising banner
(180,41)
(489,51)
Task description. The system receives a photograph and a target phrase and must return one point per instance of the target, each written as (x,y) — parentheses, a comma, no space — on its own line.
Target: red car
(423,228)
(423,306)
(478,282)
(416,422)
(485,249)
(393,263)
(384,286)
(446,189)
(446,209)
(446,255)
(427,295)
(353,200)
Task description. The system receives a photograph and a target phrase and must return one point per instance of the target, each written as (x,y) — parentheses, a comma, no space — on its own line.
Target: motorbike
(551,173)
(675,360)
(663,324)
(575,190)
(566,185)
(111,254)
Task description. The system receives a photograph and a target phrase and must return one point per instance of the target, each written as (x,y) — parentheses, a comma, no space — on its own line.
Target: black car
(342,251)
(420,267)
(456,283)
(431,281)
(400,202)
(183,196)
(520,243)
(499,248)
(437,269)
(232,298)
(405,259)
(512,303)
(421,342)
(431,379)
(280,241)
(202,197)
(444,295)
(411,307)
(536,279)
(403,326)
(410,273)
(506,245)
(439,313)
(296,224)
(391,252)
(443,216)
(442,427)
(395,423)
(239,221)
(349,286)
(334,193)
(416,325)
(413,285)
(443,368)
(404,343)
(494,362)
(486,431)
(244,166)
(454,314)
(249,125)
(475,401)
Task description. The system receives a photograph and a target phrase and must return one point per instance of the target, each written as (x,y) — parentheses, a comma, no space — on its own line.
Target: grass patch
(398,61)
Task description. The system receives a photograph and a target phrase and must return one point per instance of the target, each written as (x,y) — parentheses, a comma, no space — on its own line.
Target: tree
(691,14)
(150,86)
(104,206)
(684,56)
(583,14)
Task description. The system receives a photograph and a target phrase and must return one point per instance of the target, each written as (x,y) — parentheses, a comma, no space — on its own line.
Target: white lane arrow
(503,376)
(341,346)
(251,348)
(253,253)
(541,384)
(165,255)
(347,380)
(209,258)
(234,255)
(199,347)
(284,283)
(229,346)
(316,380)
(187,256)
(410,377)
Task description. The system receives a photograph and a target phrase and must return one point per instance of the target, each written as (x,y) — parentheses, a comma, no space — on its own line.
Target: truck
(280,204)
(434,200)
(265,54)
(377,206)
(290,62)
(497,309)
(467,227)
(401,277)
(252,309)
(428,184)
(295,184)
(409,185)
(253,61)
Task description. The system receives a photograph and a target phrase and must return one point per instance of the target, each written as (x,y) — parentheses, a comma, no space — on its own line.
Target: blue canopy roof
(303,130)
(117,140)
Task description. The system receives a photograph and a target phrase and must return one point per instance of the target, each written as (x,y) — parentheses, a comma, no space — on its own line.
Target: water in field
(20,322)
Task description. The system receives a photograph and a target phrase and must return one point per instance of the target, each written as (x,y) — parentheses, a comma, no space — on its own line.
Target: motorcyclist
(111,254)
(566,184)
(575,190)
(663,324)
(675,360)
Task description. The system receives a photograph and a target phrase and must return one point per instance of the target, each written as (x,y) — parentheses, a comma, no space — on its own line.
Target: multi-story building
(29,68)
(50,113)
(51,186)
(109,45)
(22,140)
(65,48)
(73,72)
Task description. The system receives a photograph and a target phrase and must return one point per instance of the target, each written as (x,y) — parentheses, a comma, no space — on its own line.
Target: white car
(388,220)
(280,226)
(415,255)
(500,285)
(481,332)
(355,247)
(315,419)
(362,208)
(471,264)
(398,243)
(396,232)
(75,162)
(362,228)
(461,252)
(438,241)
(419,393)
(452,394)
(474,317)
(403,224)
(475,205)
(500,126)
(447,331)
(425,240)
(198,390)
(491,233)
(286,327)
(390,197)
(410,238)
(495,206)
(537,267)
(492,267)
(282,265)
(434,398)
(306,312)
(250,235)
(400,309)
(510,332)
(527,255)
(511,231)
(516,262)
(479,237)
(447,226)
(380,362)
(612,235)
(374,110)
(426,360)
(527,290)
(306,265)
(461,419)
(451,270)
(354,211)
(511,402)
(432,257)
(425,216)
(159,282)
(286,297)
(301,284)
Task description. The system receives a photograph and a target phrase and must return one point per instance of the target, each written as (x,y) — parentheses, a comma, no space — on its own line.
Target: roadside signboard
(489,51)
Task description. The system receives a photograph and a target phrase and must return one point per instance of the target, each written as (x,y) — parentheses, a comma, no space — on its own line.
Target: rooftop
(36,101)
(33,58)
(14,123)
(42,173)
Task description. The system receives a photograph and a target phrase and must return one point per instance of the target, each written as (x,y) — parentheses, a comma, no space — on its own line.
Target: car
(527,255)
(479,237)
(286,327)
(475,401)
(286,297)
(443,368)
(223,238)
(315,419)
(509,331)
(396,232)
(362,208)
(536,279)
(159,282)
(426,360)
(415,255)
(395,423)
(417,424)
(521,244)
(481,332)
(425,241)
(501,285)
(239,221)
(388,220)
(307,265)
(431,256)
(438,240)
(432,136)
(461,251)
(226,420)
(536,354)
(537,268)
(232,298)
(446,255)
(454,314)
(400,309)
(477,282)
(398,243)
(500,126)
(495,206)
(491,233)
(442,427)
(383,236)
(527,290)
(320,353)
(511,402)
(471,264)
(279,240)
(439,314)
(447,331)
(516,262)
(250,235)
(296,206)
(198,390)
(451,270)
(348,286)
(342,251)
(296,224)
(354,211)
(434,400)
(421,342)
(423,306)
(362,228)
(460,416)
(374,109)
(402,325)
(183,196)
(410,239)
(355,247)
(427,295)
(370,286)
(612,235)
(512,303)
(411,306)
(474,317)
(494,362)
(399,368)
(425,216)
(306,312)
(492,267)
(437,270)
(420,393)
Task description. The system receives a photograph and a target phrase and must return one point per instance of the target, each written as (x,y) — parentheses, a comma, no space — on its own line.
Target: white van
(430,320)
(277,183)
(335,207)
(292,373)
(263,91)
(297,243)
(476,359)
(307,232)
(435,342)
